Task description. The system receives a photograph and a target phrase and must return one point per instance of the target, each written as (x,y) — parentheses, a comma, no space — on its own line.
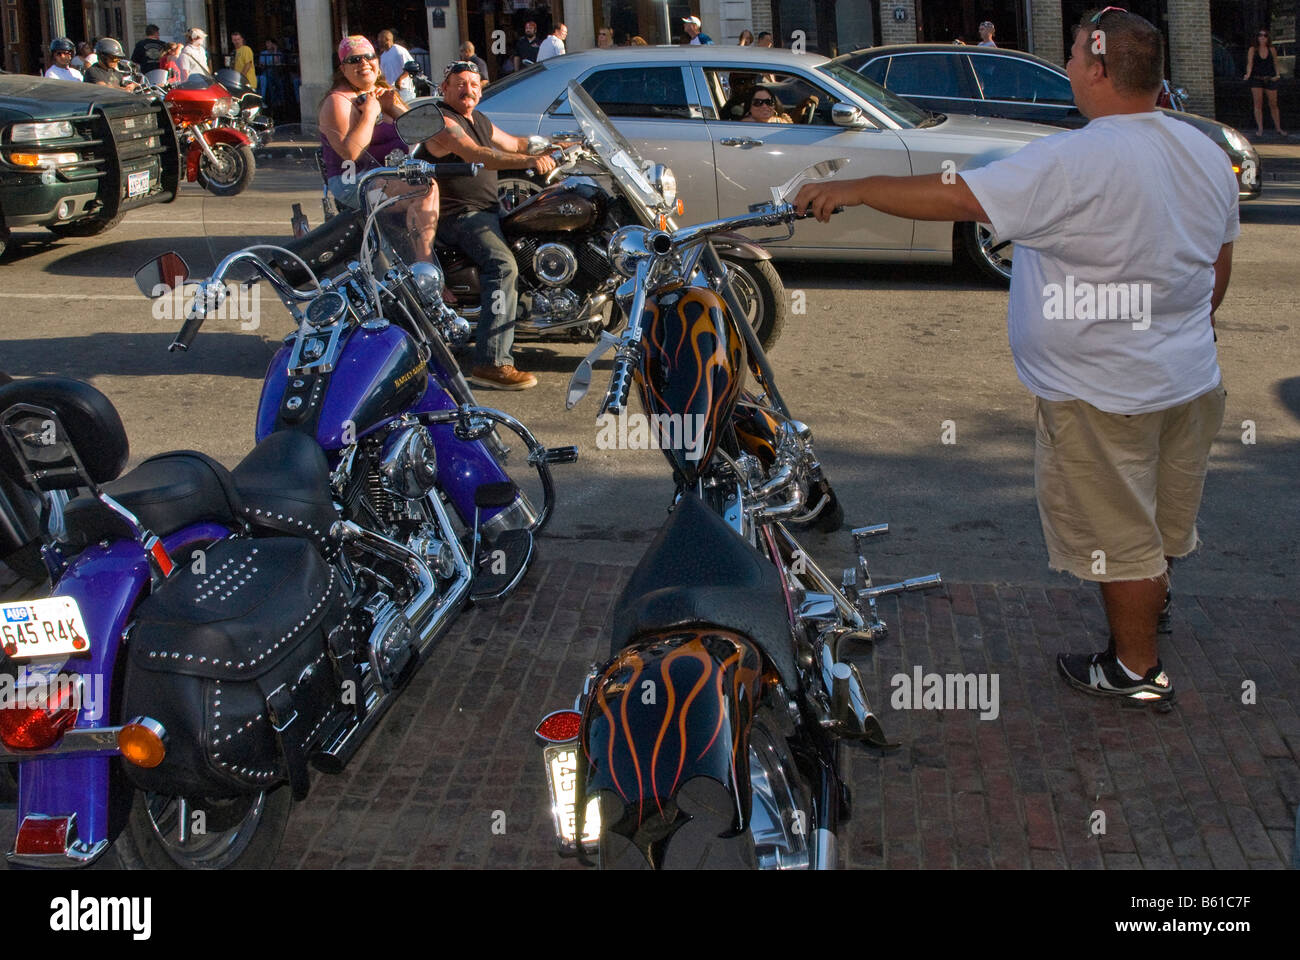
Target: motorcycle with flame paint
(212,634)
(711,737)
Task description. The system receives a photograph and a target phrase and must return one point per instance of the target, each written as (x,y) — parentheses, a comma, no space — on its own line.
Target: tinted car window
(926,75)
(640,92)
(1004,78)
(731,91)
(875,70)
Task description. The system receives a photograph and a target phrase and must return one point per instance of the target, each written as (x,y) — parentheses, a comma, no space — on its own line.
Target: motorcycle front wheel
(759,288)
(175,833)
(233,171)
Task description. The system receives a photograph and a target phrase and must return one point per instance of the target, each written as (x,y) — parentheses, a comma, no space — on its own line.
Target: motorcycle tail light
(142,742)
(42,835)
(560,726)
(35,728)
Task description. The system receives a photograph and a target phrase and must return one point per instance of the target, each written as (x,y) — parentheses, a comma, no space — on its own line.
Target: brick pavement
(1212,784)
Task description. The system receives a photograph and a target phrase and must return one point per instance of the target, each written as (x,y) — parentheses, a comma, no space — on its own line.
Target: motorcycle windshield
(619,156)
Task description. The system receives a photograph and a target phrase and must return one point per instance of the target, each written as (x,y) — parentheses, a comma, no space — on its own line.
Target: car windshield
(893,106)
(619,156)
(510,79)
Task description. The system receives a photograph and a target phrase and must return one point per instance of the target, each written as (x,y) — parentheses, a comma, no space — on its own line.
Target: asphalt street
(882,358)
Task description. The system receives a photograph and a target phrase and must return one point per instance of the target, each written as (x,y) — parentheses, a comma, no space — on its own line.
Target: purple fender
(107,583)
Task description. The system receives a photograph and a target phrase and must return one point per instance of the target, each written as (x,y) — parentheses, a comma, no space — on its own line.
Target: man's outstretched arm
(924,197)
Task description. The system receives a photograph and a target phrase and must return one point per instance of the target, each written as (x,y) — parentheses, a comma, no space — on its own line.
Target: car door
(655,106)
(1019,90)
(935,81)
(752,157)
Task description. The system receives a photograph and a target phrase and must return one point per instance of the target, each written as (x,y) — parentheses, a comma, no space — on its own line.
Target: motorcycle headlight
(627,247)
(1236,140)
(40,131)
(225,107)
(428,279)
(663,180)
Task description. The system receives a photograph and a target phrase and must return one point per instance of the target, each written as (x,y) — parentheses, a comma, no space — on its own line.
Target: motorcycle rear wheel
(235,173)
(243,833)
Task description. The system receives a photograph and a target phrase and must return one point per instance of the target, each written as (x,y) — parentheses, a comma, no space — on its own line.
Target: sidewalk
(1213,784)
(1280,160)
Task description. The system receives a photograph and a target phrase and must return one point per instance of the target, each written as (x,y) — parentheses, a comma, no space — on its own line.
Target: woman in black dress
(1261,72)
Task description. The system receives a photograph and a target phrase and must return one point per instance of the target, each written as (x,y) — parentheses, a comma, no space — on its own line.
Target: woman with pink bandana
(358,133)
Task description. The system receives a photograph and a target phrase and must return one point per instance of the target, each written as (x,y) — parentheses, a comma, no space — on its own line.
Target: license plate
(37,629)
(137,184)
(562,777)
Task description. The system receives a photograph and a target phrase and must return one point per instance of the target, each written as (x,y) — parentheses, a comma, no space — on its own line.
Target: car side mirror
(422,121)
(847,115)
(161,275)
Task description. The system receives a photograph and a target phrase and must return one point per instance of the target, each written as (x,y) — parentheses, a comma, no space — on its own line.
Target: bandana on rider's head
(354,45)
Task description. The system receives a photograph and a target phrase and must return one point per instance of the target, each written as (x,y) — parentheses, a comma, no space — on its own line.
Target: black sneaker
(1101,674)
(1164,625)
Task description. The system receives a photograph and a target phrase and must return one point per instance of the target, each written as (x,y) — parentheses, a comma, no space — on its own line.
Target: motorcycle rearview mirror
(422,121)
(161,275)
(412,68)
(821,170)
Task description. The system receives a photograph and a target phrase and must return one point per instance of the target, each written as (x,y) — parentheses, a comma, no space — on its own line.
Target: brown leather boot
(505,377)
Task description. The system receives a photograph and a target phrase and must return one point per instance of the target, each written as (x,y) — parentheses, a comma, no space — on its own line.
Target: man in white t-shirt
(553,46)
(1123,233)
(61,50)
(393,58)
(194,57)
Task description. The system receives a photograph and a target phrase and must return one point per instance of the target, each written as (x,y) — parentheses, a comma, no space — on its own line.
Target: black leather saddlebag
(236,663)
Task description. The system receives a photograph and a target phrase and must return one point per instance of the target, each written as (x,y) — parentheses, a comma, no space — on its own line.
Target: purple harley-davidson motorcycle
(212,634)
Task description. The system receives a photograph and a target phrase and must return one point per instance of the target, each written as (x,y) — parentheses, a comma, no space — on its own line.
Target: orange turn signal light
(141,743)
(681,207)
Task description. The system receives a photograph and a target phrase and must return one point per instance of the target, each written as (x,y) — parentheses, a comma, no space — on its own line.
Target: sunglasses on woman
(762,102)
(359,58)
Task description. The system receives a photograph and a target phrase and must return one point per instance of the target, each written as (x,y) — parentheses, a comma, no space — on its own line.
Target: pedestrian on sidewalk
(1261,72)
(1113,291)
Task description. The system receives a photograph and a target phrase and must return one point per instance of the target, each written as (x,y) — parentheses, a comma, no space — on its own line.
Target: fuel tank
(572,205)
(691,373)
(379,375)
(757,431)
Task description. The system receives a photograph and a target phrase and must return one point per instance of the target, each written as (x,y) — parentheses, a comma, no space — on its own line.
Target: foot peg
(567,454)
(904,586)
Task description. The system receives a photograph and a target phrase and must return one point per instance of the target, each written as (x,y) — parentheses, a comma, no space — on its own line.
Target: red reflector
(560,726)
(34,728)
(42,835)
(161,557)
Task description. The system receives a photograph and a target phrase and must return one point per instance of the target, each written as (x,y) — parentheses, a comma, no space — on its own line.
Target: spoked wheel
(232,172)
(991,256)
(759,288)
(177,833)
(513,189)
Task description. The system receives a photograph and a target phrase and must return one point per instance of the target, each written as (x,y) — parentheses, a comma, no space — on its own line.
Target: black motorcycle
(711,737)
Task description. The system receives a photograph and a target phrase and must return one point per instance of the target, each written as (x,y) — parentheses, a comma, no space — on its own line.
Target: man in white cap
(693,25)
(193,58)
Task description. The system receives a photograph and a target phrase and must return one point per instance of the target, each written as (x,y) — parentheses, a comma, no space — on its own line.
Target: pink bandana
(354,45)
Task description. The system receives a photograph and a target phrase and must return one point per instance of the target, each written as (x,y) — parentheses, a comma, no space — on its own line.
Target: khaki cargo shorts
(1116,493)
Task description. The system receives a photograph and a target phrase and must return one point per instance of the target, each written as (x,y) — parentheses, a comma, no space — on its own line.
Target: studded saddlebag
(243,666)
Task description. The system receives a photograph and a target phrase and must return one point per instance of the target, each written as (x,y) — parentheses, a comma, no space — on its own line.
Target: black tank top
(463,194)
(1263,67)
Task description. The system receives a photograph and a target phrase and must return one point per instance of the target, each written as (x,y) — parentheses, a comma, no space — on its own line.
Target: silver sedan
(685,107)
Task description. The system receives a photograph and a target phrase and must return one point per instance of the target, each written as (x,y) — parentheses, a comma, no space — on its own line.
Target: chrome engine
(408,466)
(555,264)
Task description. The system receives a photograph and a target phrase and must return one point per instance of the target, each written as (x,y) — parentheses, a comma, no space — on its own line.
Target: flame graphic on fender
(693,721)
(693,364)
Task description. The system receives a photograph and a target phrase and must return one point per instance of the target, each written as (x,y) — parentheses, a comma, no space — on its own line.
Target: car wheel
(84,228)
(991,257)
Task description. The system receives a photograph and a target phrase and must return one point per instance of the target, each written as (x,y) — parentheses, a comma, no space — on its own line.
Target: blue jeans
(478,234)
(346,193)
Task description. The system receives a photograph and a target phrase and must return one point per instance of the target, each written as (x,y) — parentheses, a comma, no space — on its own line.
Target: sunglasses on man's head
(462,66)
(359,57)
(762,102)
(1095,19)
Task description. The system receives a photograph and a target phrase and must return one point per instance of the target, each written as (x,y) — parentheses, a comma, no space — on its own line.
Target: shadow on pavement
(214,353)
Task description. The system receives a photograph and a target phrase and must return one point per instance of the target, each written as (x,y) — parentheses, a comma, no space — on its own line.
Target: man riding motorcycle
(104,70)
(468,219)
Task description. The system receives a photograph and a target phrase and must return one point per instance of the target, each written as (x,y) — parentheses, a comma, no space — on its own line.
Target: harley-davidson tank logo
(409,375)
(568,209)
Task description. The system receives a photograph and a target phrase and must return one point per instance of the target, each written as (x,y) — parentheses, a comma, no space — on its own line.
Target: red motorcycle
(219,158)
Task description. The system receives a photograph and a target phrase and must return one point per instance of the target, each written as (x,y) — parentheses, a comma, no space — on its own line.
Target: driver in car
(469,220)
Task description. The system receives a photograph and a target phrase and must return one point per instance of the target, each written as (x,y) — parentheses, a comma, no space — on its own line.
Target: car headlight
(41,131)
(1236,140)
(663,180)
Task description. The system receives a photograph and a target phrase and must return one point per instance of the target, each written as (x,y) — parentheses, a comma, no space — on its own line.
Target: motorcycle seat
(699,571)
(284,486)
(166,493)
(327,248)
